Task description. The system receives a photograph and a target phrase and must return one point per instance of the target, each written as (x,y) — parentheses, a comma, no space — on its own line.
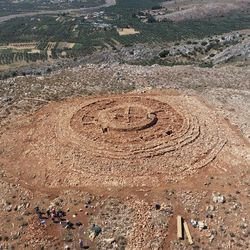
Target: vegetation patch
(110,28)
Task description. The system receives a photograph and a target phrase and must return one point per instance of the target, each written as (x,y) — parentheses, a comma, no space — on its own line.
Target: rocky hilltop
(176,142)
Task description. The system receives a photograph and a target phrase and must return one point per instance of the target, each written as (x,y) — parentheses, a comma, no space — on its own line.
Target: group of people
(56,216)
(40,215)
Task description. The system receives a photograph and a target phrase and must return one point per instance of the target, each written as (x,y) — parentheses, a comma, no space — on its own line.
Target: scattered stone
(209,215)
(20,207)
(92,236)
(8,208)
(232,234)
(198,224)
(24,224)
(210,208)
(110,241)
(68,238)
(218,198)
(16,236)
(201,225)
(27,213)
(212,235)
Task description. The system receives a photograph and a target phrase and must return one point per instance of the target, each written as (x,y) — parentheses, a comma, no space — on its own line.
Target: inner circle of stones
(155,128)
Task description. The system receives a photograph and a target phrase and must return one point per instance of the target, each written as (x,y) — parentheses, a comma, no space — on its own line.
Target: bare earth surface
(127,148)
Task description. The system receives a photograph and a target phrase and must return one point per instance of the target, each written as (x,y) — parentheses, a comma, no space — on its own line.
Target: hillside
(124,124)
(50,141)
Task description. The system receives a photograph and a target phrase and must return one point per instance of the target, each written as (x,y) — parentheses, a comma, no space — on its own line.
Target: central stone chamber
(125,118)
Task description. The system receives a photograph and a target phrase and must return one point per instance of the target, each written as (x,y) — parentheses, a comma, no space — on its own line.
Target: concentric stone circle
(128,127)
(116,140)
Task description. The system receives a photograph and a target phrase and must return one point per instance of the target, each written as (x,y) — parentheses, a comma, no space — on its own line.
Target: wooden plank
(179,227)
(188,233)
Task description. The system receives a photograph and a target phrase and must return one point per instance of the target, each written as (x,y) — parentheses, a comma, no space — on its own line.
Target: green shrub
(164,53)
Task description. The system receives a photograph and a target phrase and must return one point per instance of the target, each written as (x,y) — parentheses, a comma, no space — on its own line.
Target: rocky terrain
(107,149)
(53,130)
(220,49)
(194,10)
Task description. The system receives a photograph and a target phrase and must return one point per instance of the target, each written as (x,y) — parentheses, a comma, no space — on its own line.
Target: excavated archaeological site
(127,161)
(118,140)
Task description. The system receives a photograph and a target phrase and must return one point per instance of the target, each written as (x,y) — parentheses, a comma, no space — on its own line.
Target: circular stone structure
(123,140)
(127,127)
(125,118)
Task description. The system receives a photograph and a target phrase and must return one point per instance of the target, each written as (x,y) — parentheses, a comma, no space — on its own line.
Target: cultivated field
(127,31)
